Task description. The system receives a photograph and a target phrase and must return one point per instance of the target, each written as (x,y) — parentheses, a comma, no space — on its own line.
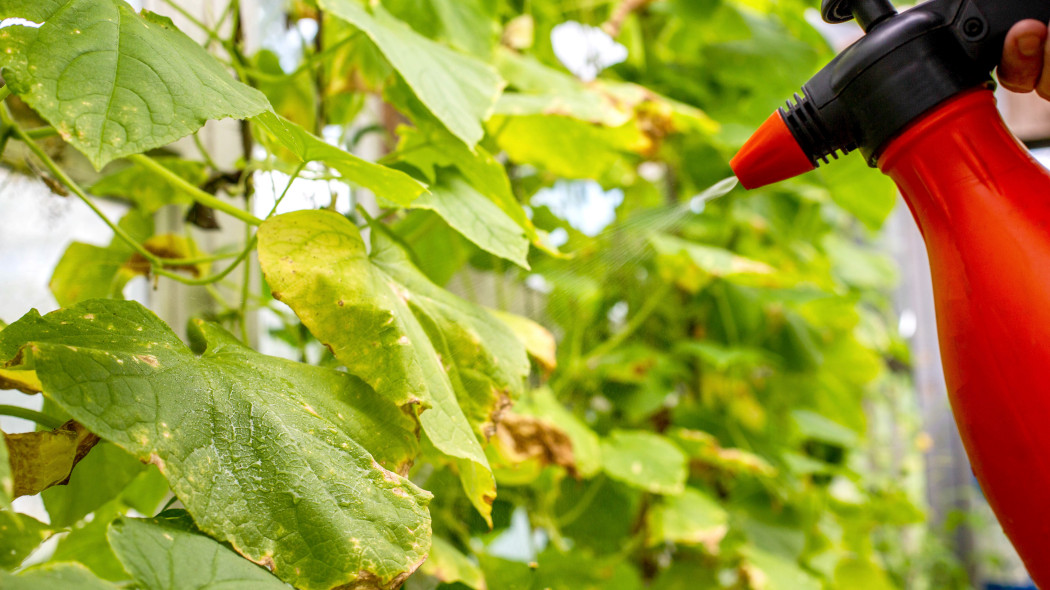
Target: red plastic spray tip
(771,155)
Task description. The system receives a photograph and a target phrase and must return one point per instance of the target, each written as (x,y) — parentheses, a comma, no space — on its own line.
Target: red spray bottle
(914,96)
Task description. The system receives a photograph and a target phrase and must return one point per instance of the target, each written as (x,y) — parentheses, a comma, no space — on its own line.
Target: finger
(1023,57)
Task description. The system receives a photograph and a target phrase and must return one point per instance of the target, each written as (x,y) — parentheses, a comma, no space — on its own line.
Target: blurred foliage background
(719,397)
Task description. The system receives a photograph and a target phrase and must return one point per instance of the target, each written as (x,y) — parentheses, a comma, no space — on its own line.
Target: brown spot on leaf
(154,459)
(340,303)
(527,437)
(149,359)
(266,562)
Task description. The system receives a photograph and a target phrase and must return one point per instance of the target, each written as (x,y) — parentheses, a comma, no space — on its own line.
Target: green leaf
(861,574)
(279,445)
(813,425)
(44,458)
(164,557)
(19,535)
(140,185)
(557,144)
(411,340)
(429,147)
(388,183)
(477,218)
(772,572)
(54,575)
(87,545)
(865,193)
(99,478)
(447,564)
(112,82)
(644,460)
(459,90)
(693,518)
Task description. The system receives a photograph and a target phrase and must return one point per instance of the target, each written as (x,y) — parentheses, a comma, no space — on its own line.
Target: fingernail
(1030,45)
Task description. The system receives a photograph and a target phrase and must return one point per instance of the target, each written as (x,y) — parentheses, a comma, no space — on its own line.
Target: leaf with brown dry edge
(284,461)
(411,340)
(45,458)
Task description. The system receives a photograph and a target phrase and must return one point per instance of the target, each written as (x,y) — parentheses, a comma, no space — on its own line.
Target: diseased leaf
(45,458)
(112,82)
(54,575)
(283,447)
(411,340)
(524,445)
(459,90)
(448,565)
(99,478)
(692,518)
(586,447)
(19,535)
(86,271)
(644,460)
(388,183)
(164,557)
(22,380)
(140,185)
(477,218)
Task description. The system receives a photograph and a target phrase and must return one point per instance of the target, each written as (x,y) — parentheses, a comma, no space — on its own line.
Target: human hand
(1026,66)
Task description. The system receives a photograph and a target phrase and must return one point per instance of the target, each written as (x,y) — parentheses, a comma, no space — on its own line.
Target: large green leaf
(19,535)
(411,340)
(459,90)
(112,82)
(477,218)
(163,556)
(386,182)
(282,447)
(52,576)
(644,460)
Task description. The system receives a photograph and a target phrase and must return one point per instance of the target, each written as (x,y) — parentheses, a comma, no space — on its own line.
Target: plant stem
(41,132)
(636,322)
(31,415)
(8,120)
(198,195)
(585,502)
(4,92)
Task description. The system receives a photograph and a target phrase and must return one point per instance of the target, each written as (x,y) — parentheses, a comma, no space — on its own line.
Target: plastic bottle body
(983,206)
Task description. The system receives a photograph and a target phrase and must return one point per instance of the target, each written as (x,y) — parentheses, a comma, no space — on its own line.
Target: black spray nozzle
(906,65)
(867,12)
